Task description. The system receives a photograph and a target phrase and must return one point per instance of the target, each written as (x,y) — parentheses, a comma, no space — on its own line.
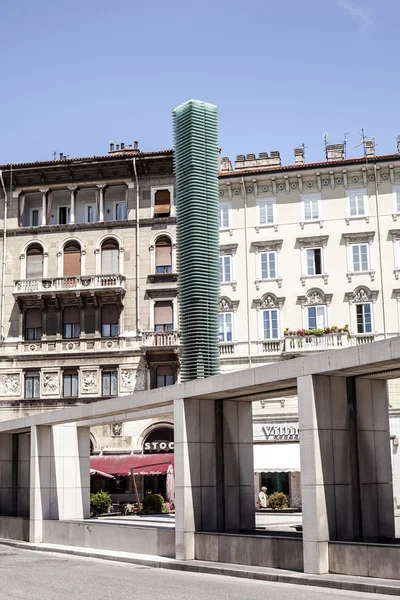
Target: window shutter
(34,264)
(71,314)
(109,314)
(33,318)
(72,262)
(109,261)
(163,313)
(163,254)
(164,370)
(162,202)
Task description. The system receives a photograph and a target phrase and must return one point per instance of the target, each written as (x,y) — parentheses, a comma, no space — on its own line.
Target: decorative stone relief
(50,383)
(89,382)
(128,380)
(140,379)
(362,294)
(116,429)
(270,301)
(10,384)
(314,297)
(227,305)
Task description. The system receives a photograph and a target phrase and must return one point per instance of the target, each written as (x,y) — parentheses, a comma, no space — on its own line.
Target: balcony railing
(57,284)
(160,339)
(310,343)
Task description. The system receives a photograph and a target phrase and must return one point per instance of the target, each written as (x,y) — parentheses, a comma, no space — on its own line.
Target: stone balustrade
(79,282)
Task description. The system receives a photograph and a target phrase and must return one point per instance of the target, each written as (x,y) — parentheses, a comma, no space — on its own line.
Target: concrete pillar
(59,475)
(376,488)
(7,507)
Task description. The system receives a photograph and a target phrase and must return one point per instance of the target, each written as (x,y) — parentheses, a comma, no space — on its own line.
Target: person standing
(263,498)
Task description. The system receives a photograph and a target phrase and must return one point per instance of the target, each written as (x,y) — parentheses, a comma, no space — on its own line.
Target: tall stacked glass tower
(197,206)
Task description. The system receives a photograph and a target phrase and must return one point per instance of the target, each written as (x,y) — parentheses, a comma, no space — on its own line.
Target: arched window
(72,259)
(163,255)
(162,203)
(34,262)
(109,257)
(165,376)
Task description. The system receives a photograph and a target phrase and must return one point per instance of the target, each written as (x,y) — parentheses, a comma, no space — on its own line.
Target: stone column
(101,201)
(376,488)
(44,205)
(59,475)
(72,189)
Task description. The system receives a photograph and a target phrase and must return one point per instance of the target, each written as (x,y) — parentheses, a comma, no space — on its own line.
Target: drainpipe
(3,267)
(137,250)
(378,231)
(246,270)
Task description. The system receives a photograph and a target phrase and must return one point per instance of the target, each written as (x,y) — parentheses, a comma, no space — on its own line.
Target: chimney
(275,159)
(334,152)
(117,146)
(111,147)
(299,156)
(61,155)
(136,145)
(239,162)
(225,164)
(122,145)
(369,148)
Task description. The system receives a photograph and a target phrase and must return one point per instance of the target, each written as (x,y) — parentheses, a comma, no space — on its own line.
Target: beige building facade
(310,260)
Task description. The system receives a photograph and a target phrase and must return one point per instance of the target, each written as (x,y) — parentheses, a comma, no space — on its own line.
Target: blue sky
(76,74)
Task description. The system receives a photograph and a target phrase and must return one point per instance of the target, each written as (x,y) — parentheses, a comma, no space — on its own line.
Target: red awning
(142,464)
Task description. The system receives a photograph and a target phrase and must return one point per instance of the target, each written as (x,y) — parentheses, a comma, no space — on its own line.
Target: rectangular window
(71,317)
(70,384)
(268,265)
(110,383)
(316,317)
(110,320)
(225,267)
(224,215)
(314,261)
(121,211)
(162,203)
(91,213)
(35,217)
(225,327)
(356,200)
(163,316)
(364,318)
(360,257)
(310,207)
(33,324)
(270,322)
(164,376)
(266,211)
(32,385)
(64,215)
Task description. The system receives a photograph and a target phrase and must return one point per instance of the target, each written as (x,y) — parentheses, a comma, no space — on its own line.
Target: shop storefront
(277,459)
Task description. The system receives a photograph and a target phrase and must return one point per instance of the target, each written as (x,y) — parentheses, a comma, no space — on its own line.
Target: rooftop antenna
(54,154)
(345,142)
(326,144)
(364,140)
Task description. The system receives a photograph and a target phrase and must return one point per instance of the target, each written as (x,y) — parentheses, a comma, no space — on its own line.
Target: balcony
(78,284)
(160,339)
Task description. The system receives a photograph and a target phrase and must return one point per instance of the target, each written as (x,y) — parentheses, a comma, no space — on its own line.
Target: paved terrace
(344,448)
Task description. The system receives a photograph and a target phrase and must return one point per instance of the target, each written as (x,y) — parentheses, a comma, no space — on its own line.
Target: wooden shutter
(163,253)
(71,314)
(163,313)
(109,314)
(33,318)
(34,263)
(162,202)
(109,258)
(72,261)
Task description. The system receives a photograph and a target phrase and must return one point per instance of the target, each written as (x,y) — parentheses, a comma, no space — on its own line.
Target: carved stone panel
(128,380)
(10,384)
(140,380)
(89,381)
(51,383)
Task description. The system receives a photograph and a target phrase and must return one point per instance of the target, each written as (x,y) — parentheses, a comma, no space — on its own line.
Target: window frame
(222,258)
(94,206)
(396,201)
(325,316)
(263,313)
(357,192)
(39,211)
(115,204)
(157,376)
(113,381)
(303,199)
(269,200)
(75,376)
(228,204)
(225,333)
(362,305)
(313,249)
(267,253)
(154,190)
(68,209)
(75,331)
(34,375)
(359,244)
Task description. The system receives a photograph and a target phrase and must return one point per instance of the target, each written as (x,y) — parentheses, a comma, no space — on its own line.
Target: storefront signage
(281,431)
(159,446)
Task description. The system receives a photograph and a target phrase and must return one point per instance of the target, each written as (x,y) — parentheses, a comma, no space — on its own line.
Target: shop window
(165,376)
(162,203)
(33,324)
(110,320)
(71,322)
(32,385)
(110,383)
(163,316)
(163,255)
(34,262)
(109,257)
(72,259)
(70,384)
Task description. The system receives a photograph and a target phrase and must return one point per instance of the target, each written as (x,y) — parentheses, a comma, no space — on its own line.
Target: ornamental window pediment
(362,294)
(315,297)
(269,300)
